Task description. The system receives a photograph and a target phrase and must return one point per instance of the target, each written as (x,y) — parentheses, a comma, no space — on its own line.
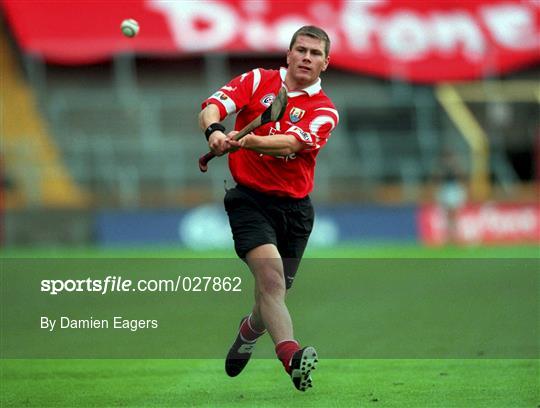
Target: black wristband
(212,128)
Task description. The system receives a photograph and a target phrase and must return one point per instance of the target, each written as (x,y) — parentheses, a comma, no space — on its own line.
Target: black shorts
(257,219)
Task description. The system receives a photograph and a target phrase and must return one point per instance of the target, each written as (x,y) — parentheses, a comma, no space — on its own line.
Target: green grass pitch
(482,382)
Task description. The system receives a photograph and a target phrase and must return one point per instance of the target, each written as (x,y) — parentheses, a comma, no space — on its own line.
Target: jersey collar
(310,90)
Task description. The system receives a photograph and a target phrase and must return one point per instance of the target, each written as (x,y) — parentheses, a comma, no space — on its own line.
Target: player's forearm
(208,115)
(273,145)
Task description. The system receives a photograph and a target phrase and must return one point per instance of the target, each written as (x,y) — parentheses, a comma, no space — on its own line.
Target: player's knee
(271,285)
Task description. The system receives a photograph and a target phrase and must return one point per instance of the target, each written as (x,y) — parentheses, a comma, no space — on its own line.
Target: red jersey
(310,117)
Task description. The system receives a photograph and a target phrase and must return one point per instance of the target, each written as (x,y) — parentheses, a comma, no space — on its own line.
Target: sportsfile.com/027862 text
(118,284)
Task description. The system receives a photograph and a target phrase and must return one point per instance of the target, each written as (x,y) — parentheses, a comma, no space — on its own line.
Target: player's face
(306,60)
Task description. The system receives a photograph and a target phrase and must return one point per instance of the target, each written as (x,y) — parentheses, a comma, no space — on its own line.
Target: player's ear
(326,62)
(288,57)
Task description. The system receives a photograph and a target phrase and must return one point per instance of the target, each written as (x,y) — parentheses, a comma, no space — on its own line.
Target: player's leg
(270,288)
(292,242)
(249,227)
(267,268)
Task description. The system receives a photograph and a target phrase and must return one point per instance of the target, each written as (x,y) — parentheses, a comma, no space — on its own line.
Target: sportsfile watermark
(347,308)
(116,284)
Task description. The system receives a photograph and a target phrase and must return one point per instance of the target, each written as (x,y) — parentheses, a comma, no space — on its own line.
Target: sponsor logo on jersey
(291,156)
(268,99)
(220,95)
(296,114)
(306,136)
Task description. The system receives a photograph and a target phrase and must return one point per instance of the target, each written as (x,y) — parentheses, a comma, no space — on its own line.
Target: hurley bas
(117,322)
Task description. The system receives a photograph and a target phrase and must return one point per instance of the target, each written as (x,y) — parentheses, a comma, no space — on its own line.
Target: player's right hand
(217,142)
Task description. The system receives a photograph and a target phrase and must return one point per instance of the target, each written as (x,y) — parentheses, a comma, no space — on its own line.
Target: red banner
(423,41)
(485,224)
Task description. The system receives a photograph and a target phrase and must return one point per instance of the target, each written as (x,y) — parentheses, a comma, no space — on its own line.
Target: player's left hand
(233,145)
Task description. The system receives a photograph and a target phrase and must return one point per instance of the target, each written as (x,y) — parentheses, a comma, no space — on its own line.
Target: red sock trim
(248,320)
(247,333)
(285,350)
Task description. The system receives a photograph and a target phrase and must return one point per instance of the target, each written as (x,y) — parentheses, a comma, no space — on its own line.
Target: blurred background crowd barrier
(438,141)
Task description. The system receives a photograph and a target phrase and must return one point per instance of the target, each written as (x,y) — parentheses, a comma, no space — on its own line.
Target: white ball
(129,27)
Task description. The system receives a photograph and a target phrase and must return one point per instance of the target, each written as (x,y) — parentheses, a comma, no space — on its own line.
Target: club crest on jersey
(267,99)
(296,114)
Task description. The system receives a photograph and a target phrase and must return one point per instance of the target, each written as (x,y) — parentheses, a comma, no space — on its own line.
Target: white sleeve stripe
(256,80)
(335,112)
(316,123)
(228,103)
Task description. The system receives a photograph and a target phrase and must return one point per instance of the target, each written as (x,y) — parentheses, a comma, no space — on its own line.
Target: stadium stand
(30,156)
